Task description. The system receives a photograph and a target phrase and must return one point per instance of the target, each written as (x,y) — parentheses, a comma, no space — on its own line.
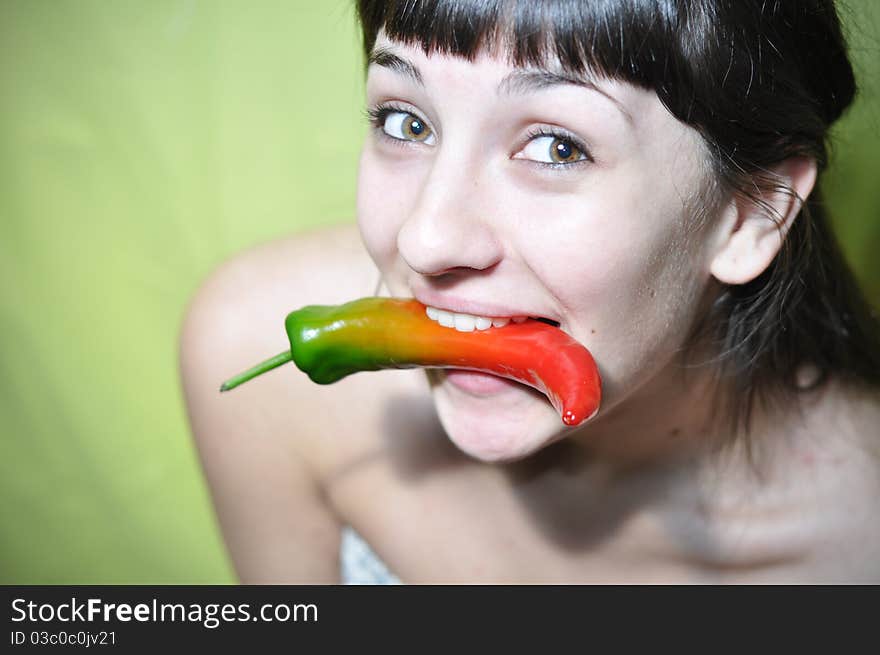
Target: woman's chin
(495,423)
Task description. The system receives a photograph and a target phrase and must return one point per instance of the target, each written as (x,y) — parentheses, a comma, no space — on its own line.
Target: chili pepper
(330,342)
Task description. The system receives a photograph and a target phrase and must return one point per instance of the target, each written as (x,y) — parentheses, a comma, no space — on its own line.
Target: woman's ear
(750,242)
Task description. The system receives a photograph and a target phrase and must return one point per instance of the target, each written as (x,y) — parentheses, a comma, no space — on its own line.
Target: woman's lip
(476,383)
(474,307)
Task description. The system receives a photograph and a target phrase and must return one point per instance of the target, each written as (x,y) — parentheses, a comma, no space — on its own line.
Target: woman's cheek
(592,262)
(382,206)
(620,288)
(648,327)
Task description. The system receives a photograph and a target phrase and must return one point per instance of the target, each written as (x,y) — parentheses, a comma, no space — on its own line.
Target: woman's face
(501,191)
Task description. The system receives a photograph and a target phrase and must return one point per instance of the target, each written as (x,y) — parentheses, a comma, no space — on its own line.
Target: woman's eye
(549,149)
(407,127)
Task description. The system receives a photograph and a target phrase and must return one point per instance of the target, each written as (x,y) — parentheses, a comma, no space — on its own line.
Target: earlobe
(755,237)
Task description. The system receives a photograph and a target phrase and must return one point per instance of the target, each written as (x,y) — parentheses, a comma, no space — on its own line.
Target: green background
(141,143)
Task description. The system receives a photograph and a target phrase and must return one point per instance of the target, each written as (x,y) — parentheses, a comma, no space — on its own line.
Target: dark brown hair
(762,81)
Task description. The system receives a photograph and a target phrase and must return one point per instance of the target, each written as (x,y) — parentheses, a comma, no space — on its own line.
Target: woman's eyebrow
(528,81)
(388,59)
(520,81)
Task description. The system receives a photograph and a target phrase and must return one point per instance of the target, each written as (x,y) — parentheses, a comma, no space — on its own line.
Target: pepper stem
(259,369)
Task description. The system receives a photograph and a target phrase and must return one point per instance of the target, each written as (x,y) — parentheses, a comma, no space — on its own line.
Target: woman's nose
(450,226)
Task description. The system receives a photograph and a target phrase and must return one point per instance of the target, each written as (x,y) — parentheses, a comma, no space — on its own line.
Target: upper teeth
(468,322)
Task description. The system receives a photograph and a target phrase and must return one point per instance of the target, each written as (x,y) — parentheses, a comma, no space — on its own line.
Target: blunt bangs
(649,43)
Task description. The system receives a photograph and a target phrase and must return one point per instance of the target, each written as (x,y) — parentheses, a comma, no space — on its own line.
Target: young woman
(643,175)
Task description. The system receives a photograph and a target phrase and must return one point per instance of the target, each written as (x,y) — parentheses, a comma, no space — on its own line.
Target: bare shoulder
(236,319)
(326,263)
(852,414)
(265,446)
(861,416)
(844,461)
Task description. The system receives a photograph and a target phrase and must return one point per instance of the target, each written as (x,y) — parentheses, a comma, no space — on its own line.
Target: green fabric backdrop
(141,143)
